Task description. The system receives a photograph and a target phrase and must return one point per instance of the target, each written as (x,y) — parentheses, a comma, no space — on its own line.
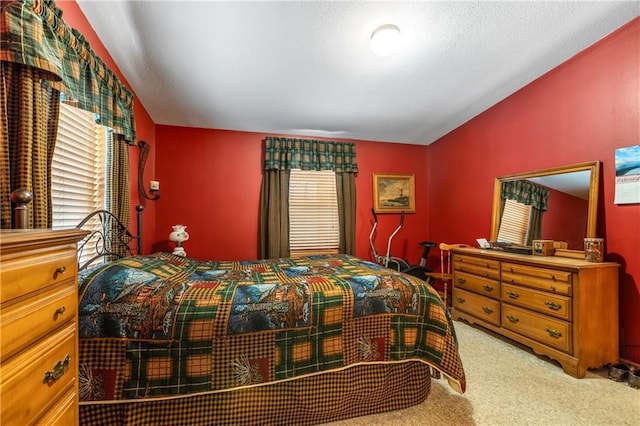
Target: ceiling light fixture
(385,40)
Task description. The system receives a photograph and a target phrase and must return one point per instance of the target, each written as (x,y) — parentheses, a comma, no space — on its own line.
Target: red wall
(566,219)
(580,111)
(145,127)
(210,181)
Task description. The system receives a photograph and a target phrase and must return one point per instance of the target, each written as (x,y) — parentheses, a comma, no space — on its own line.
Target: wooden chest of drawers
(38,327)
(563,308)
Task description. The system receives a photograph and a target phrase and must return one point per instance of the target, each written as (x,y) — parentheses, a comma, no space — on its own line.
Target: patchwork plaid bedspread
(162,325)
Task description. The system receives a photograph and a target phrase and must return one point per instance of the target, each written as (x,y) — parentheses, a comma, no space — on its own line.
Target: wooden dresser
(38,327)
(563,308)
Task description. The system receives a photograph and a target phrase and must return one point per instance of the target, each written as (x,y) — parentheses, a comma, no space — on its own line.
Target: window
(514,225)
(78,169)
(313,212)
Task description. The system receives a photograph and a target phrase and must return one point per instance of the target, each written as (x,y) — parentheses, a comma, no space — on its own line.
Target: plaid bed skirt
(353,392)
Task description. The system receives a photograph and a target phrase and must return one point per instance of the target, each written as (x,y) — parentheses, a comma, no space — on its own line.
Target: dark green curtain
(274,214)
(34,34)
(531,194)
(118,185)
(42,57)
(525,192)
(306,154)
(346,189)
(30,111)
(284,154)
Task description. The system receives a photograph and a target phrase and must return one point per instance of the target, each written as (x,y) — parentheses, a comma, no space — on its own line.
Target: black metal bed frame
(112,240)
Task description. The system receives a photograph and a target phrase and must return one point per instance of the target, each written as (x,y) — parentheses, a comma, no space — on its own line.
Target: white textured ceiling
(305,68)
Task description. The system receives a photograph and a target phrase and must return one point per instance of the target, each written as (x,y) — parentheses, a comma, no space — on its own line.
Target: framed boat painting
(394,193)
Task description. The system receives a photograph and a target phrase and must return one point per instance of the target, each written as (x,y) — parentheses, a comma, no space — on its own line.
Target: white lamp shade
(385,40)
(179,234)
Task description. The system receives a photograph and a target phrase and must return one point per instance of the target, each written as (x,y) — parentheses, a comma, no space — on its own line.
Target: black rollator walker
(397,263)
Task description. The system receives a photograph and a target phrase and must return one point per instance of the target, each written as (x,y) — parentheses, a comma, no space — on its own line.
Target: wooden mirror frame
(593,167)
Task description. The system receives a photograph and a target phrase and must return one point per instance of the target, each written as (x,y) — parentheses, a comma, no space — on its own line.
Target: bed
(166,339)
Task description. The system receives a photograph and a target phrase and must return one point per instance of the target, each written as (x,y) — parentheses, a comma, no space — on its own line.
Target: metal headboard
(112,240)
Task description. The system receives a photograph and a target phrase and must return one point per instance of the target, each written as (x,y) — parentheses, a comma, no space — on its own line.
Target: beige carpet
(509,385)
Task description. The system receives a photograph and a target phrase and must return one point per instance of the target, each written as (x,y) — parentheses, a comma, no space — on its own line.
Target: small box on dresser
(38,327)
(543,247)
(563,308)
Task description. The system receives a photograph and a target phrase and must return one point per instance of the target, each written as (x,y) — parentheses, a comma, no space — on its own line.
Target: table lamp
(178,236)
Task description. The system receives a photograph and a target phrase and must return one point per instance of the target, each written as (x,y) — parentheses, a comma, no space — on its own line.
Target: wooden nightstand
(38,326)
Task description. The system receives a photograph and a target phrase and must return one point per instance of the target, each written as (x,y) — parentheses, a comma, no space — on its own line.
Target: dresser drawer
(550,331)
(478,266)
(479,306)
(26,395)
(484,286)
(64,413)
(27,322)
(30,273)
(542,279)
(546,303)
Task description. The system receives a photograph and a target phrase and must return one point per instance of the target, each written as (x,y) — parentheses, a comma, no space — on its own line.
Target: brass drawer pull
(553,333)
(59,312)
(461,281)
(487,310)
(58,371)
(487,287)
(513,319)
(553,306)
(513,295)
(59,271)
(460,299)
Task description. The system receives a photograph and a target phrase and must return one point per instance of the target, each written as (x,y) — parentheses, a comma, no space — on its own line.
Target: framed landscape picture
(394,193)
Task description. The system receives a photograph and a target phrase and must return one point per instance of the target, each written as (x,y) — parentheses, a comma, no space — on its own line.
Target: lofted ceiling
(305,68)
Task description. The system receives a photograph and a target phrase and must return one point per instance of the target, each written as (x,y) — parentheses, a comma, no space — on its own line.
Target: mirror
(572,204)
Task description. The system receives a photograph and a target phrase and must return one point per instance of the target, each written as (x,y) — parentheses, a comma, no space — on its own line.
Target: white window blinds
(514,224)
(313,212)
(78,171)
(78,167)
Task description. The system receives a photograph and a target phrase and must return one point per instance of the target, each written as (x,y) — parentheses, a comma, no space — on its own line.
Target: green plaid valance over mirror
(526,192)
(306,154)
(34,34)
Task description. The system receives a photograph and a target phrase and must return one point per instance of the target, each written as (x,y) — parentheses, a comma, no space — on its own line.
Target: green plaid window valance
(526,192)
(305,154)
(34,34)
